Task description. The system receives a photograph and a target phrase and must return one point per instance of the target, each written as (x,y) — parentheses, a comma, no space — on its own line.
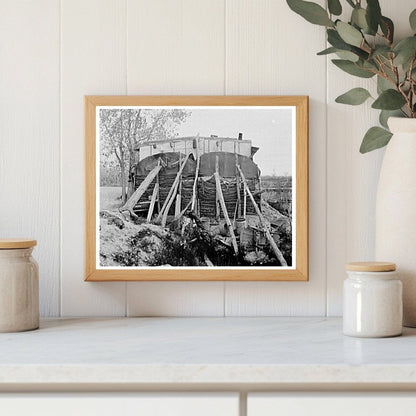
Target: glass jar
(372,300)
(19,286)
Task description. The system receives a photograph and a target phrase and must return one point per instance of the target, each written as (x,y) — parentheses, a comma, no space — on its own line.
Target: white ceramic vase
(396,210)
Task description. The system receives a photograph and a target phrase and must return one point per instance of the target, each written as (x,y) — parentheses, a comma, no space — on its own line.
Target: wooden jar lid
(11,243)
(371,266)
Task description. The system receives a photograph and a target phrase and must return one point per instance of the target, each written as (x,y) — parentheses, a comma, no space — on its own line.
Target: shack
(215,177)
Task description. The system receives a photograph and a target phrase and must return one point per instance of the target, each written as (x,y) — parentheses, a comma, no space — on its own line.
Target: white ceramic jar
(372,300)
(19,286)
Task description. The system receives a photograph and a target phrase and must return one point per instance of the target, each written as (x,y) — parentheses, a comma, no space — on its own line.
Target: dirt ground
(116,234)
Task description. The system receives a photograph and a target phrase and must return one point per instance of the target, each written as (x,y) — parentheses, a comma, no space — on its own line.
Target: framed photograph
(196,188)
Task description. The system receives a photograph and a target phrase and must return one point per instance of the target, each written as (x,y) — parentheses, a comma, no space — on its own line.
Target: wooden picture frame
(299,223)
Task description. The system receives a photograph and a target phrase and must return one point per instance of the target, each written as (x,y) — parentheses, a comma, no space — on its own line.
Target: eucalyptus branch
(368,48)
(411,82)
(366,43)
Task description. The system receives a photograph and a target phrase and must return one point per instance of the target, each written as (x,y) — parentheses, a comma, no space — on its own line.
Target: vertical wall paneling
(177,48)
(352,177)
(55,52)
(93,61)
(271,50)
(29,135)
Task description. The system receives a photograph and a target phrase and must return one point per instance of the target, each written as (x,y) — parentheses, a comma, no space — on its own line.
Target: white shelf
(200,352)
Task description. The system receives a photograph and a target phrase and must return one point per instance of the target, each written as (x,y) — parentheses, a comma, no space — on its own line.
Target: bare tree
(121,130)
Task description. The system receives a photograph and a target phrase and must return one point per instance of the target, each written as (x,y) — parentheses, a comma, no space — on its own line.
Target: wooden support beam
(169,204)
(163,214)
(194,189)
(178,204)
(225,212)
(138,193)
(217,197)
(245,203)
(172,191)
(238,186)
(269,237)
(208,262)
(158,193)
(155,195)
(182,212)
(179,194)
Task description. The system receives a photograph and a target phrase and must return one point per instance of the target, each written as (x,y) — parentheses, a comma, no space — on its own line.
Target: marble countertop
(204,351)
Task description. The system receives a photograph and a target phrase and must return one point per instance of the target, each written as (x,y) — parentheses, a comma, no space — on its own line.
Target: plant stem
(411,92)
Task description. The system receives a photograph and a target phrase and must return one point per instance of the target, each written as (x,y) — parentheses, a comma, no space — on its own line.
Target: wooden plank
(217,194)
(178,205)
(245,203)
(175,298)
(238,188)
(185,56)
(189,35)
(186,52)
(272,243)
(194,188)
(169,202)
(155,195)
(257,64)
(138,193)
(95,37)
(163,214)
(29,131)
(180,214)
(225,212)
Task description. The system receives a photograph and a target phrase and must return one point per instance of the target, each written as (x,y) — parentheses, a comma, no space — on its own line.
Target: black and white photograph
(195,187)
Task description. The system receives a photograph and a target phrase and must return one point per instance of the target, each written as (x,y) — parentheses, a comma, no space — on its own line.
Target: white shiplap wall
(29,134)
(55,52)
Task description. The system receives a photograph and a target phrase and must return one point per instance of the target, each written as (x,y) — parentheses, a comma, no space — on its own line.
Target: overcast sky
(269,129)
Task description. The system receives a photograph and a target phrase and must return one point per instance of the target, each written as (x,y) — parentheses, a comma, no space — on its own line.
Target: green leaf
(387,27)
(381,50)
(386,114)
(311,12)
(370,64)
(412,20)
(356,96)
(375,138)
(358,18)
(383,84)
(349,34)
(335,40)
(389,100)
(350,56)
(351,3)
(347,55)
(352,68)
(373,15)
(334,7)
(405,50)
(328,51)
